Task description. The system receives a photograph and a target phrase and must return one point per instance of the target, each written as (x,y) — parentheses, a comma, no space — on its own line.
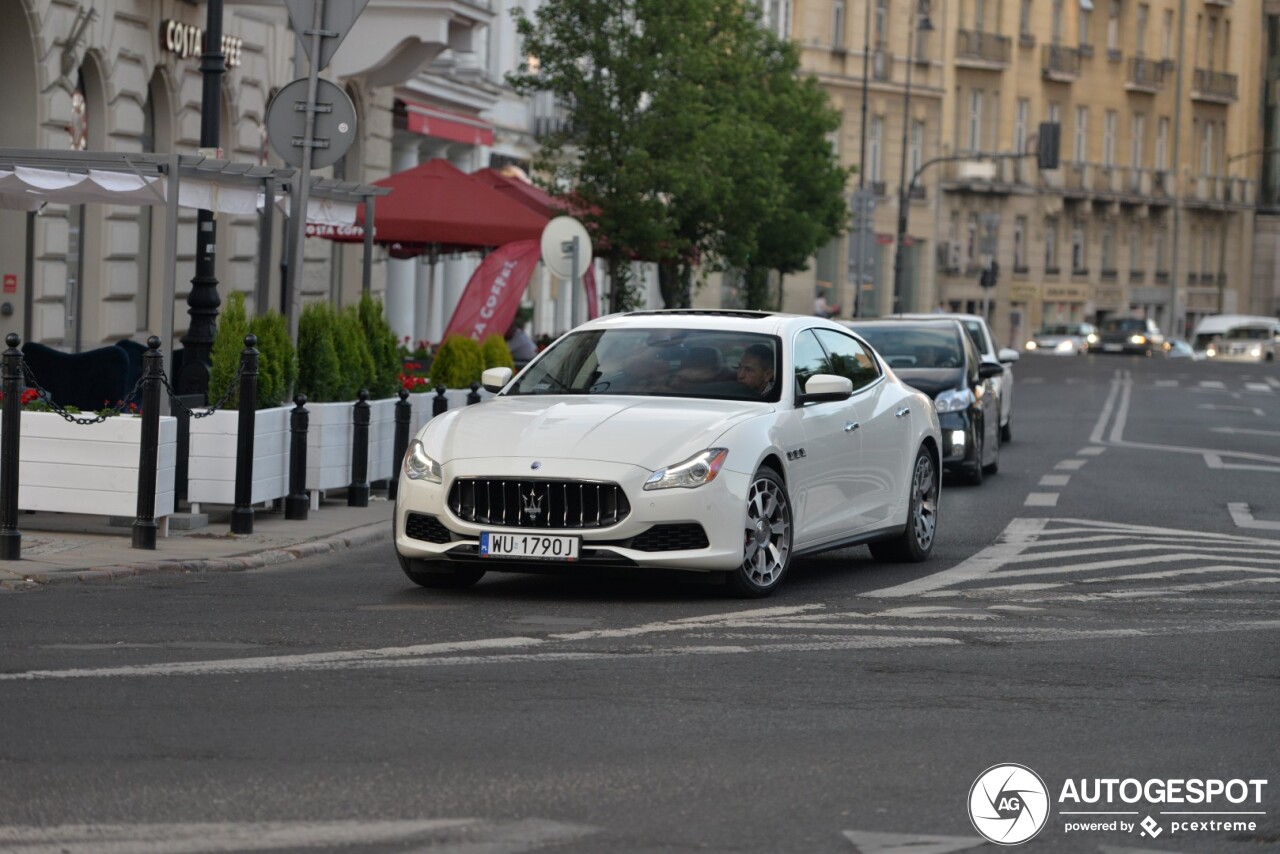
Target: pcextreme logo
(1008,804)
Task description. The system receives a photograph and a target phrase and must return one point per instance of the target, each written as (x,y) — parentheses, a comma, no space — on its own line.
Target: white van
(1238,337)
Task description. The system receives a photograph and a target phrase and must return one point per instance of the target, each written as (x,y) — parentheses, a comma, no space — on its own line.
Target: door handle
(850,426)
(906,410)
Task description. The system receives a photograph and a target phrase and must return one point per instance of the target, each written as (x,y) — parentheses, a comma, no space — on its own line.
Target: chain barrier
(100,416)
(178,403)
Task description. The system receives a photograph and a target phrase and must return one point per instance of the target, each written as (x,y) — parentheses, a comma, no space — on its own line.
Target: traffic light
(1047,145)
(989,276)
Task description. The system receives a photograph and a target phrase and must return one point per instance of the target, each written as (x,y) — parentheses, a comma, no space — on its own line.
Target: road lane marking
(1243,431)
(1041,499)
(1070,465)
(1166,383)
(1243,517)
(1017,535)
(1259,387)
(1230,408)
(1055,480)
(1212,384)
(1214,461)
(1091,451)
(1107,407)
(867,842)
(726,619)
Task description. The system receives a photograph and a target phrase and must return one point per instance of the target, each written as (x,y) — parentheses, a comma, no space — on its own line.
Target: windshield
(915,347)
(1249,333)
(698,363)
(1127,324)
(1061,330)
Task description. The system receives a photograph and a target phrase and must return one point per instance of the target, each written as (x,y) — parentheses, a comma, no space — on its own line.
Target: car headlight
(1063,346)
(954,400)
(1211,352)
(1255,351)
(1137,339)
(1092,339)
(1031,345)
(699,469)
(419,466)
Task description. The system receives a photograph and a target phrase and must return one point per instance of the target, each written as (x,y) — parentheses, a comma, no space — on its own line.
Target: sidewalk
(60,548)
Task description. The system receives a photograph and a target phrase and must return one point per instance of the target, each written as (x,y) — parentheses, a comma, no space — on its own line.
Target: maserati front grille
(527,503)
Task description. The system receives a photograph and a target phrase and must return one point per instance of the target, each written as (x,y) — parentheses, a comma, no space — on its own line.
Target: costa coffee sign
(186,40)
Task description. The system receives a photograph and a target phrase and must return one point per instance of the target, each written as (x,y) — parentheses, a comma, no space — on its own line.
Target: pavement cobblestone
(64,548)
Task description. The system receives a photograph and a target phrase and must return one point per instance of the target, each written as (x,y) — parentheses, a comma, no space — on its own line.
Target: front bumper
(959,440)
(718,507)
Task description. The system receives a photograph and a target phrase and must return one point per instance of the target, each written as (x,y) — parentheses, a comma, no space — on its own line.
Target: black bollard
(10,436)
(440,403)
(242,513)
(144,526)
(474,396)
(404,413)
(358,491)
(295,506)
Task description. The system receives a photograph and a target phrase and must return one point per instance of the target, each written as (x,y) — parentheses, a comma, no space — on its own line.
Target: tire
(915,543)
(1006,432)
(994,466)
(767,537)
(444,578)
(973,476)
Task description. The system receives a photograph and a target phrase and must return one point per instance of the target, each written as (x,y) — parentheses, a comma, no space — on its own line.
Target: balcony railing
(1145,75)
(982,49)
(1216,86)
(1060,63)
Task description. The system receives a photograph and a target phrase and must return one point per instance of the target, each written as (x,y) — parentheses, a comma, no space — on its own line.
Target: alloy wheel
(767,538)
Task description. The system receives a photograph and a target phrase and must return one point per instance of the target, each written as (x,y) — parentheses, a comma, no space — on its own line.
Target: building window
(1206,148)
(1166,35)
(1021,118)
(874,148)
(1109,139)
(1139,131)
(882,22)
(777,17)
(837,23)
(1140,37)
(975,120)
(1078,259)
(1206,253)
(1108,247)
(1080,151)
(1024,18)
(1113,26)
(971,240)
(1162,143)
(1020,243)
(1051,245)
(1055,112)
(1211,38)
(1135,248)
(915,154)
(1084,27)
(1158,245)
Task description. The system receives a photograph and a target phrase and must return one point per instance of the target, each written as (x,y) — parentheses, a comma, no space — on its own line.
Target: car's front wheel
(766,549)
(915,543)
(438,575)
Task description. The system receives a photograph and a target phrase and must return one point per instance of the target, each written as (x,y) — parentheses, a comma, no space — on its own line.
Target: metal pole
(902,171)
(144,526)
(10,437)
(404,411)
(242,513)
(304,178)
(296,504)
(860,267)
(358,491)
(575,313)
(1177,171)
(203,300)
(266,233)
(366,281)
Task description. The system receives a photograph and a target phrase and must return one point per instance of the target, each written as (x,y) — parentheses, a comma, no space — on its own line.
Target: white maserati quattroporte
(708,441)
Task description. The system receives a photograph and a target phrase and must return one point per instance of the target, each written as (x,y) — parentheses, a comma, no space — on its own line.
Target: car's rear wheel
(915,543)
(766,542)
(438,575)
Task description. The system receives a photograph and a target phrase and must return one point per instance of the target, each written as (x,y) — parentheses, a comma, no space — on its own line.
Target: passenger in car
(755,368)
(701,365)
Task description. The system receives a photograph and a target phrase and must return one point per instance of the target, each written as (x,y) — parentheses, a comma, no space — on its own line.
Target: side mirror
(821,388)
(988,370)
(495,379)
(1007,355)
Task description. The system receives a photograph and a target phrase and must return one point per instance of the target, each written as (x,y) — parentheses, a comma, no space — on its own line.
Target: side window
(849,358)
(811,359)
(975,332)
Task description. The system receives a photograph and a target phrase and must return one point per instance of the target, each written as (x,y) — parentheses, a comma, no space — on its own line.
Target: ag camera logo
(1008,804)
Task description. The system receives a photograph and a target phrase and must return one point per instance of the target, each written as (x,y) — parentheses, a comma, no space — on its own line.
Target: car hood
(647,432)
(931,381)
(1055,339)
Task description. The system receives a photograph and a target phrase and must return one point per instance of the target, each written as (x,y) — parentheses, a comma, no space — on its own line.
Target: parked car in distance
(980,331)
(937,356)
(1064,339)
(1138,335)
(1176,348)
(708,441)
(1238,338)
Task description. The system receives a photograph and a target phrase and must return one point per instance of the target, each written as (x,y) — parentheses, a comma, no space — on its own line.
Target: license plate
(529,546)
(1113,348)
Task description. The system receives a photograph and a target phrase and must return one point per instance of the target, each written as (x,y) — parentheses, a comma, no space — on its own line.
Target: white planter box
(211,461)
(91,468)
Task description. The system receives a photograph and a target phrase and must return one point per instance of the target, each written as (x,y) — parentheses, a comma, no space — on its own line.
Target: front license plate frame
(1113,348)
(549,547)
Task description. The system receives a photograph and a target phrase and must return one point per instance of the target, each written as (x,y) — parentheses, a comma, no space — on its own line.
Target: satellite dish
(557,246)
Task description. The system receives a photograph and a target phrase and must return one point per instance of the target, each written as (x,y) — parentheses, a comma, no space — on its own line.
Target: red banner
(489,303)
(589,285)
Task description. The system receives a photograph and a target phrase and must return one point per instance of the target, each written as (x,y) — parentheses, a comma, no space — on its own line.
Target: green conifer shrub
(228,344)
(382,346)
(496,352)
(320,374)
(457,363)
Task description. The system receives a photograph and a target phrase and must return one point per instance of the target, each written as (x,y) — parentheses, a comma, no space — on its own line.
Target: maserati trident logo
(532,504)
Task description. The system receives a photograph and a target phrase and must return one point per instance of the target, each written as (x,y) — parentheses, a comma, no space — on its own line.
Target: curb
(363,535)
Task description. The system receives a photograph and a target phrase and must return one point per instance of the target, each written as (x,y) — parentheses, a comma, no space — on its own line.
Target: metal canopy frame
(173,168)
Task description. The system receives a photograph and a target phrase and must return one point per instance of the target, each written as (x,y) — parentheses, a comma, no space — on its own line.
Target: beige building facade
(1152,210)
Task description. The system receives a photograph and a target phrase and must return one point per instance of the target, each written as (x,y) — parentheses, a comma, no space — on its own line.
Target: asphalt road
(1103,608)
